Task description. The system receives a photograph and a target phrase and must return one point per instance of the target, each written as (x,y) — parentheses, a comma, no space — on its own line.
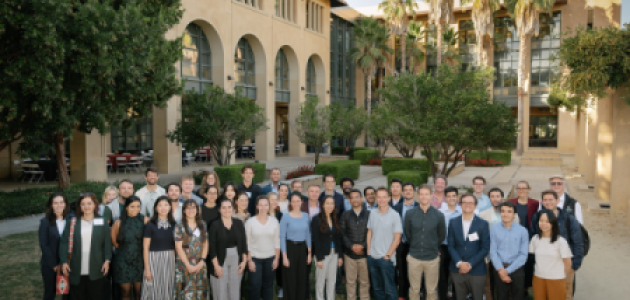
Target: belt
(296,242)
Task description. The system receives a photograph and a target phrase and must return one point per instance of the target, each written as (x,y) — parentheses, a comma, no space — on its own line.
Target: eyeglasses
(86,194)
(347,185)
(556,183)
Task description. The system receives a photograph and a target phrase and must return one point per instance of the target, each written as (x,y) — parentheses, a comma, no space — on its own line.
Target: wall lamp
(229,77)
(270,83)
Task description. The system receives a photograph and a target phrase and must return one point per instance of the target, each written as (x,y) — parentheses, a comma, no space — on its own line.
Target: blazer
(473,252)
(217,242)
(321,240)
(304,207)
(391,201)
(399,206)
(532,208)
(100,250)
(49,243)
(269,188)
(338,202)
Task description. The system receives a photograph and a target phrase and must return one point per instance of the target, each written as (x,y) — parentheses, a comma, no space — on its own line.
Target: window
(314,13)
(311,78)
(467,44)
(138,137)
(543,131)
(342,69)
(506,51)
(196,62)
(544,70)
(245,68)
(252,3)
(284,9)
(282,78)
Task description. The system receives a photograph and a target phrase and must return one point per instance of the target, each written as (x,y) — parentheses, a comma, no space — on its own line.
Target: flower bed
(377,161)
(482,162)
(301,171)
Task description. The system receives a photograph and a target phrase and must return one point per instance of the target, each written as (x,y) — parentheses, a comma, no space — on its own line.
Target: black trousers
(87,289)
(50,284)
(279,271)
(295,276)
(514,290)
(445,262)
(402,270)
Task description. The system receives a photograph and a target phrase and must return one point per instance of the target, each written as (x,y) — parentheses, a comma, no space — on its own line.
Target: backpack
(569,205)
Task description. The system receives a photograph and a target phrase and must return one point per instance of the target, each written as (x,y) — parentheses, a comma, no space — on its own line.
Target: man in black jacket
(353,224)
(249,187)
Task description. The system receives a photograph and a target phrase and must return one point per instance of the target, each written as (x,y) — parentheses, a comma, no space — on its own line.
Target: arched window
(245,68)
(196,63)
(282,78)
(311,78)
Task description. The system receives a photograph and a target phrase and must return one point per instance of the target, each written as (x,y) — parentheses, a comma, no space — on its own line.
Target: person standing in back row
(249,187)
(150,192)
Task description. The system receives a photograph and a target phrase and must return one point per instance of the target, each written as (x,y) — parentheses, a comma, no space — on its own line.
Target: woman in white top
(553,259)
(263,242)
(283,195)
(50,230)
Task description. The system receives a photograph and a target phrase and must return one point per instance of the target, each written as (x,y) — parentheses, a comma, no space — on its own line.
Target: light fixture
(328,92)
(303,88)
(270,83)
(229,77)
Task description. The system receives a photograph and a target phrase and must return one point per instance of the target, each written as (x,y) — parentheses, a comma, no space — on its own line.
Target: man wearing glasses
(566,202)
(479,183)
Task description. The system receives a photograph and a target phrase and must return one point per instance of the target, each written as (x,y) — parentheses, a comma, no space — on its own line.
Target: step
(541,161)
(541,154)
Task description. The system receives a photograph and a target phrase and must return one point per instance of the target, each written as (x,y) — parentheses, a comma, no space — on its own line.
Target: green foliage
(340,150)
(415,177)
(370,44)
(233,173)
(365,155)
(23,202)
(434,153)
(392,164)
(218,119)
(347,122)
(598,60)
(339,168)
(504,156)
(312,126)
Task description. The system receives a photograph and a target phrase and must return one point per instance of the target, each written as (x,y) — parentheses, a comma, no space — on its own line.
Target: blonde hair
(204,182)
(107,190)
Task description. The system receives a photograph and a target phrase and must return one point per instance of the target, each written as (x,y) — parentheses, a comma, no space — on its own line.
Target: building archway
(286,96)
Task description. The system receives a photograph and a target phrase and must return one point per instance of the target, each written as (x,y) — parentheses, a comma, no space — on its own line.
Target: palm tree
(440,13)
(398,14)
(414,36)
(526,14)
(482,17)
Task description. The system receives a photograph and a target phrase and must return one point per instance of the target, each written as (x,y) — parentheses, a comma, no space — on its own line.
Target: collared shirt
(466,226)
(346,204)
(312,211)
(425,231)
(395,201)
(147,198)
(405,208)
(370,208)
(383,227)
(437,202)
(508,246)
(483,203)
(448,215)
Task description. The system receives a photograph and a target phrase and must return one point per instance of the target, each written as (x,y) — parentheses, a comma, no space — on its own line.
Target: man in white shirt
(450,209)
(567,203)
(150,192)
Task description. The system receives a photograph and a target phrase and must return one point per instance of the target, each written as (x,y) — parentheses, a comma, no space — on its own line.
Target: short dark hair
(451,189)
(293,183)
(168,186)
(425,187)
(345,179)
(408,183)
(368,188)
(396,180)
(247,166)
(479,177)
(442,177)
(123,181)
(495,189)
(549,192)
(150,169)
(382,189)
(508,204)
(356,191)
(329,175)
(467,195)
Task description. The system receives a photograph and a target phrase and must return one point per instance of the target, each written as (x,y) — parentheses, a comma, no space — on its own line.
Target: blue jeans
(262,279)
(382,274)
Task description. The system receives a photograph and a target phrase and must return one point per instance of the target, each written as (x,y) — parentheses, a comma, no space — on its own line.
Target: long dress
(190,286)
(161,261)
(128,264)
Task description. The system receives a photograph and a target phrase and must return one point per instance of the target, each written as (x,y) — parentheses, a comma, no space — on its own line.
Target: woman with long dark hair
(91,251)
(295,243)
(159,252)
(229,191)
(191,246)
(263,242)
(327,245)
(209,209)
(51,228)
(553,258)
(127,235)
(228,254)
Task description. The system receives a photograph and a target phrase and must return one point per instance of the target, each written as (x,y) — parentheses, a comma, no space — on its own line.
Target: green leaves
(312,126)
(347,122)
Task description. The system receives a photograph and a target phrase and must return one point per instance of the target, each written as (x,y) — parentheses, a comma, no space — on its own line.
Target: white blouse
(86,243)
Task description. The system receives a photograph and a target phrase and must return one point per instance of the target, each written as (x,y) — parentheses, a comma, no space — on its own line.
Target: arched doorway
(282,99)
(196,64)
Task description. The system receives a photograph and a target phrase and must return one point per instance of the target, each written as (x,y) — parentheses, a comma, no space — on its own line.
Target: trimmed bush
(364,156)
(392,164)
(415,177)
(504,156)
(233,173)
(340,150)
(339,168)
(436,154)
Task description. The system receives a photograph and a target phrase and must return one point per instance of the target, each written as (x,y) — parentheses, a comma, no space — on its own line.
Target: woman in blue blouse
(295,244)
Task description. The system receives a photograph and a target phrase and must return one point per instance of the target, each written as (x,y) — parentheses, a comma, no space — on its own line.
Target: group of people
(178,243)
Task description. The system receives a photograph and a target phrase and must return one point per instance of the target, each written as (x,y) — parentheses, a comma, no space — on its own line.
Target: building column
(566,131)
(167,156)
(581,144)
(88,156)
(619,187)
(526,100)
(265,140)
(591,135)
(604,148)
(360,95)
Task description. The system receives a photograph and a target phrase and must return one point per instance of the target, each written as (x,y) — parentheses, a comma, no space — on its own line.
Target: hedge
(233,173)
(24,202)
(365,155)
(340,150)
(436,154)
(339,168)
(415,177)
(392,164)
(504,156)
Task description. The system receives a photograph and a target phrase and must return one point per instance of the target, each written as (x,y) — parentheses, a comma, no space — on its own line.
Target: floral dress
(190,286)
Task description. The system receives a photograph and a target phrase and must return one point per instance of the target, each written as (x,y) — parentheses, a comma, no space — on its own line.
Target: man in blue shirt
(508,253)
(275,182)
(347,185)
(402,251)
(479,183)
(450,209)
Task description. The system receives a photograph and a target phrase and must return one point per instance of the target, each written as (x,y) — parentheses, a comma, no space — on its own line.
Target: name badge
(473,237)
(98,222)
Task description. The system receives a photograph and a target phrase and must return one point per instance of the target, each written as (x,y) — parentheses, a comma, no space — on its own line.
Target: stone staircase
(541,158)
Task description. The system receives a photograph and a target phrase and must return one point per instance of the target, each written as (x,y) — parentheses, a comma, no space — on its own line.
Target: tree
(347,122)
(221,120)
(449,112)
(415,35)
(440,14)
(82,65)
(312,126)
(398,14)
(526,14)
(483,19)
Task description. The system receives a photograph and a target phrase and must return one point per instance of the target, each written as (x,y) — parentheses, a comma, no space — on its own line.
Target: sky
(625,7)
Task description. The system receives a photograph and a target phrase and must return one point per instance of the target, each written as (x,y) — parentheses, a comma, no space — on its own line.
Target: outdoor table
(112,159)
(49,167)
(206,151)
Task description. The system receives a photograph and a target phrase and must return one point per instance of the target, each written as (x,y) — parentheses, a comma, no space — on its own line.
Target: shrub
(392,164)
(483,162)
(233,173)
(415,177)
(377,161)
(366,155)
(504,156)
(340,150)
(301,172)
(24,202)
(198,176)
(339,168)
(436,154)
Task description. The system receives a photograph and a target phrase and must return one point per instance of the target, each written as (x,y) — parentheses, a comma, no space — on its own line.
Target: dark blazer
(100,250)
(473,252)
(391,202)
(49,243)
(338,203)
(268,188)
(321,240)
(532,208)
(399,206)
(217,242)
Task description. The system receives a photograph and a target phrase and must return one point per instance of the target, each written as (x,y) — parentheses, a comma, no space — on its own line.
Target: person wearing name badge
(91,251)
(159,252)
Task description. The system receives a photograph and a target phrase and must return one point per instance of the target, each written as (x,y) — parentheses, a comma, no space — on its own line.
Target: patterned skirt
(191,286)
(162,264)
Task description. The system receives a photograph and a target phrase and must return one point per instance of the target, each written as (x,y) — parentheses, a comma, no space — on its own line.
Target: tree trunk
(318,149)
(62,169)
(439,43)
(369,107)
(403,58)
(522,56)
(455,161)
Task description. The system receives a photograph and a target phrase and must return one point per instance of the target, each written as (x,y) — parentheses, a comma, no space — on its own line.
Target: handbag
(63,282)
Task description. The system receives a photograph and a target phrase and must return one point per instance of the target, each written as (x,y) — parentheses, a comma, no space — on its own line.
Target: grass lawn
(21,277)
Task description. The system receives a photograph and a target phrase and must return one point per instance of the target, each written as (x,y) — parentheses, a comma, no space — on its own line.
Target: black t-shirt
(161,239)
(230,240)
(253,191)
(521,210)
(209,215)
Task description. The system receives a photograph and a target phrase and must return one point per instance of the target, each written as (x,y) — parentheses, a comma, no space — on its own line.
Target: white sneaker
(280,293)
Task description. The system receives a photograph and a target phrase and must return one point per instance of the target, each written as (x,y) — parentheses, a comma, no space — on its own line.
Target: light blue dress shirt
(483,203)
(346,204)
(508,246)
(405,208)
(448,215)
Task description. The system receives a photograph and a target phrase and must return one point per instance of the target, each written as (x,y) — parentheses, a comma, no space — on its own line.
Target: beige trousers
(431,270)
(357,268)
